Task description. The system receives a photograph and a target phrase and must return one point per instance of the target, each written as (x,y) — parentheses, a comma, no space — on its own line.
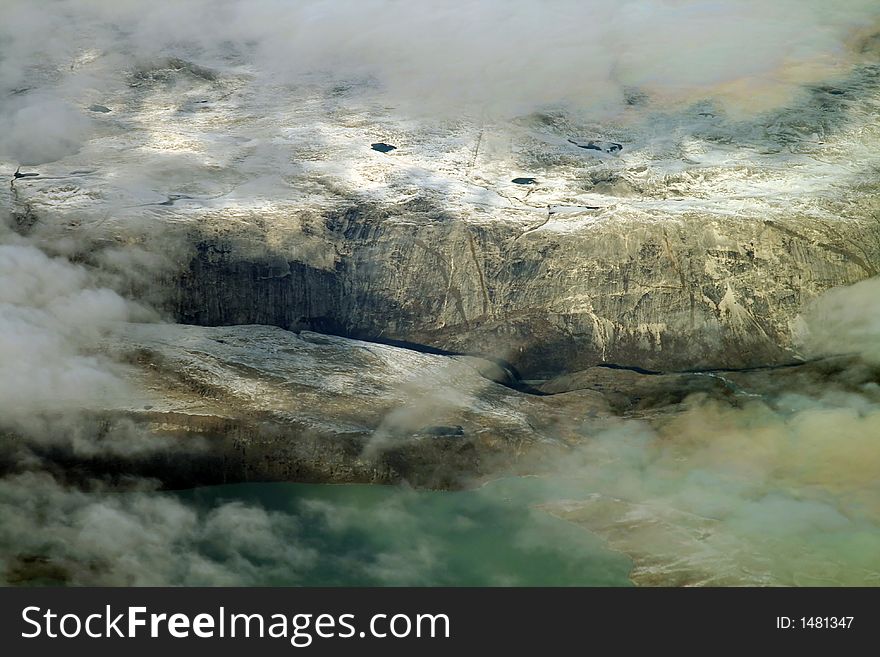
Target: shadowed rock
(597,145)
(382,147)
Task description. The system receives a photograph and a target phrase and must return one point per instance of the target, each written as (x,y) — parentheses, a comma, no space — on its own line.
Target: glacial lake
(364,535)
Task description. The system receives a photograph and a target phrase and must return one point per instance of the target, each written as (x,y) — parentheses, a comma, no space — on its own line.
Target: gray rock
(689,249)
(274,405)
(696,292)
(644,393)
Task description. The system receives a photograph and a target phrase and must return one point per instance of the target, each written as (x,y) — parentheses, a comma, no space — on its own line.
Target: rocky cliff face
(691,292)
(666,240)
(673,240)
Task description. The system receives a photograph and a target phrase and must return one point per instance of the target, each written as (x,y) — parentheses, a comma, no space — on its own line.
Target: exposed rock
(642,392)
(694,292)
(629,392)
(597,145)
(274,405)
(382,147)
(341,309)
(269,404)
(681,252)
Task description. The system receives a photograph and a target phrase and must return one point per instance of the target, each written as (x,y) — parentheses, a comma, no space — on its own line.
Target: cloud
(844,320)
(500,58)
(41,128)
(139,538)
(777,491)
(50,320)
(778,488)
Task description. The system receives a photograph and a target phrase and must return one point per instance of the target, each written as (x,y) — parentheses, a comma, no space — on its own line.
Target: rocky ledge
(258,403)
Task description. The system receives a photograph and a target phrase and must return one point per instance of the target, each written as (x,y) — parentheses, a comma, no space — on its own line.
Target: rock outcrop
(690,292)
(260,403)
(695,244)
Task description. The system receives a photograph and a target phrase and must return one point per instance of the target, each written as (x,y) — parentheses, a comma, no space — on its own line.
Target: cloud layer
(783,488)
(463,55)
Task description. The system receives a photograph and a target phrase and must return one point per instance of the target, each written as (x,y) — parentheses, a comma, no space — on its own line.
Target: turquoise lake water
(362,535)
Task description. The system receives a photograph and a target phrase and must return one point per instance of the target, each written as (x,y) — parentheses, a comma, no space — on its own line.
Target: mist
(780,489)
(65,534)
(844,320)
(776,489)
(497,59)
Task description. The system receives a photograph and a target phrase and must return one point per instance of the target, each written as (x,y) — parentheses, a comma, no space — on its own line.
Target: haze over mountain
(632,247)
